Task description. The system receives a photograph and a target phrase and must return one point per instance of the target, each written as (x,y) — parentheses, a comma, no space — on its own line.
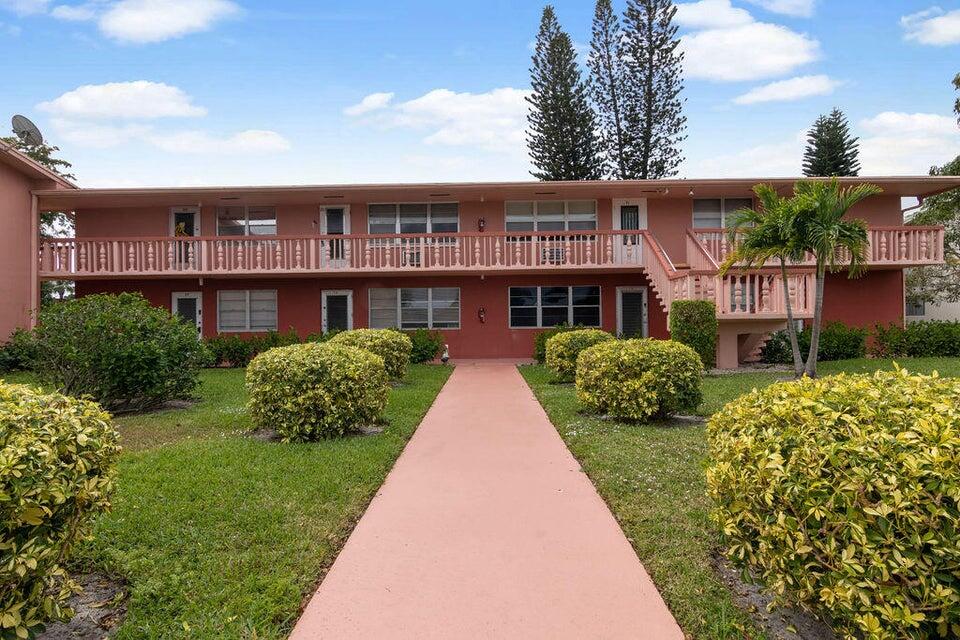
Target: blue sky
(190,92)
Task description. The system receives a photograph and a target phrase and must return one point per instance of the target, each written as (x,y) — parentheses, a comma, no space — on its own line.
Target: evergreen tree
(831,150)
(653,107)
(562,138)
(607,88)
(956,105)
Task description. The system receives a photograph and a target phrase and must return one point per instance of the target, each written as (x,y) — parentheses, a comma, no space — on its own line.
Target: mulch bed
(100,608)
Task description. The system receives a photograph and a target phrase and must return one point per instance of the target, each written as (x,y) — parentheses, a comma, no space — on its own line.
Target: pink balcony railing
(891,246)
(68,258)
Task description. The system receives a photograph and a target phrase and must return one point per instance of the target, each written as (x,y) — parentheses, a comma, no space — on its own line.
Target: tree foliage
(831,149)
(654,81)
(939,283)
(562,139)
(956,105)
(609,90)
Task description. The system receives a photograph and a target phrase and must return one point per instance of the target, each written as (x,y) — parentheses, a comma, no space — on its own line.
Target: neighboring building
(19,285)
(488,264)
(926,311)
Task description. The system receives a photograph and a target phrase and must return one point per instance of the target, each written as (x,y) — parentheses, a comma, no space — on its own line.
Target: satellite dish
(28,132)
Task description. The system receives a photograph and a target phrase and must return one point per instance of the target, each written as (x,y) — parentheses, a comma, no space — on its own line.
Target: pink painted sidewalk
(487,528)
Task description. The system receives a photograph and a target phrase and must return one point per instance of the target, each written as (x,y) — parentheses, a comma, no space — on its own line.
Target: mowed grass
(221,535)
(652,477)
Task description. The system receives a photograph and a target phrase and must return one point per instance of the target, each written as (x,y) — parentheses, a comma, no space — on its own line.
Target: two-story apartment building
(487,264)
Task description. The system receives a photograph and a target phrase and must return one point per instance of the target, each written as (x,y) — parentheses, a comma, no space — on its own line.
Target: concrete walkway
(487,528)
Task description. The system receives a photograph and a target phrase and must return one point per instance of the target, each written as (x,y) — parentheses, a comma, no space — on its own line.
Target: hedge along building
(487,264)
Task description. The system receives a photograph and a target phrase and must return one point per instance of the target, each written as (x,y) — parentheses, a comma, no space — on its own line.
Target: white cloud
(900,143)
(492,121)
(796,8)
(74,12)
(25,7)
(772,160)
(747,52)
(372,102)
(933,26)
(788,90)
(139,99)
(896,122)
(711,14)
(98,135)
(249,141)
(145,21)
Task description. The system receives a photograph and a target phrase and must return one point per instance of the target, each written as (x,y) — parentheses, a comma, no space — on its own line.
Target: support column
(34,266)
(727,348)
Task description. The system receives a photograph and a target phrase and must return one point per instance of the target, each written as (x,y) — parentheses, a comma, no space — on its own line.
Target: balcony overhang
(62,200)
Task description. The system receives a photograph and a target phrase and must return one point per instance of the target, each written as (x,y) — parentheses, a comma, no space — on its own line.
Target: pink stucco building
(488,264)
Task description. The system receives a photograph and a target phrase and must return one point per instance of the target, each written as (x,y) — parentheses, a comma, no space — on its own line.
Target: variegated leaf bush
(564,348)
(57,465)
(639,379)
(316,390)
(394,347)
(841,494)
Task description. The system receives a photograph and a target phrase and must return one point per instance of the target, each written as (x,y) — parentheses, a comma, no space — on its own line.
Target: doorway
(632,319)
(188,305)
(335,221)
(337,310)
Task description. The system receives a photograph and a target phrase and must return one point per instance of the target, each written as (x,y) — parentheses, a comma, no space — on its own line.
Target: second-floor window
(246,221)
(716,213)
(551,215)
(414,217)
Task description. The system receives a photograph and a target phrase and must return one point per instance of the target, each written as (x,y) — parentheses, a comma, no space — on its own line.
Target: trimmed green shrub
(427,345)
(57,460)
(118,349)
(639,379)
(841,494)
(18,352)
(393,346)
(540,340)
(934,339)
(563,349)
(234,350)
(837,342)
(694,323)
(312,390)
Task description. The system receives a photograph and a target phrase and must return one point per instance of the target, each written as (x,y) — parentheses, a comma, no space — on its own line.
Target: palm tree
(823,232)
(766,233)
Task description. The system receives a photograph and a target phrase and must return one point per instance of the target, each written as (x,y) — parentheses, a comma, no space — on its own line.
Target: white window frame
(645,318)
(723,209)
(346,218)
(566,214)
(194,295)
(396,216)
(640,203)
(196,219)
(247,328)
(323,306)
(570,305)
(429,326)
(246,220)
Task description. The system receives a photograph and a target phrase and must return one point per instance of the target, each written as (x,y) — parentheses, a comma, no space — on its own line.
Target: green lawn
(221,535)
(652,478)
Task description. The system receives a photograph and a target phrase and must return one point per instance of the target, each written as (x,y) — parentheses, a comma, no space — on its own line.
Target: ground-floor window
(551,306)
(247,310)
(415,308)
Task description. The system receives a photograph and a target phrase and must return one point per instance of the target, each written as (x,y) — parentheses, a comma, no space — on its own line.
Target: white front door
(337,310)
(632,321)
(629,215)
(335,221)
(188,305)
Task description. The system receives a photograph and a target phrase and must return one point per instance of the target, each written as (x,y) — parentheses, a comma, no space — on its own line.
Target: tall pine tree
(653,106)
(608,89)
(562,138)
(831,150)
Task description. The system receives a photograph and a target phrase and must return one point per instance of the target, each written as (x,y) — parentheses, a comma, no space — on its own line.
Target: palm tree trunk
(811,369)
(791,325)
